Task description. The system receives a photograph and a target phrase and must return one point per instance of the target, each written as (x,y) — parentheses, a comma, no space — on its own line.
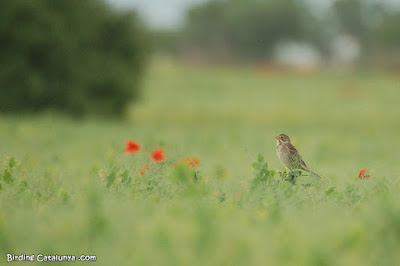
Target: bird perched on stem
(289,156)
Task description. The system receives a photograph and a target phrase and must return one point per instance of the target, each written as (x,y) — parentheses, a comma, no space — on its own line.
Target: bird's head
(282,138)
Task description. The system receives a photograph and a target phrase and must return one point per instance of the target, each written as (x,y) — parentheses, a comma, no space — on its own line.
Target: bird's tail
(313,173)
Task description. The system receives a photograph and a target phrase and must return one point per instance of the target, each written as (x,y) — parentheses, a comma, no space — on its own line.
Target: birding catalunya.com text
(49,258)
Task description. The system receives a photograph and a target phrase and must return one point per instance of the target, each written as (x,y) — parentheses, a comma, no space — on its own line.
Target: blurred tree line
(251,30)
(76,56)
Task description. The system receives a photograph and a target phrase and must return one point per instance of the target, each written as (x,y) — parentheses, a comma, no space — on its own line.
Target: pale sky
(170,13)
(159,13)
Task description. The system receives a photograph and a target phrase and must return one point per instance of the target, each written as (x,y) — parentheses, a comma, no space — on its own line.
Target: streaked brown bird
(289,156)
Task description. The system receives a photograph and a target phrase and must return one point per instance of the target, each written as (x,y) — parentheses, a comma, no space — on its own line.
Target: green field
(73,190)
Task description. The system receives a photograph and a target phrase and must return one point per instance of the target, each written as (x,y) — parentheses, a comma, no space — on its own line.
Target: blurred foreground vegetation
(72,190)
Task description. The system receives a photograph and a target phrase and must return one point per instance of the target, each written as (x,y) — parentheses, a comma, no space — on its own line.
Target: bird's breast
(283,154)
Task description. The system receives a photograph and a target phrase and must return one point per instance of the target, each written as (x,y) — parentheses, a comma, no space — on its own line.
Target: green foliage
(261,172)
(291,175)
(349,14)
(110,178)
(77,57)
(221,197)
(8,171)
(118,179)
(7,176)
(329,191)
(182,174)
(388,33)
(41,190)
(185,174)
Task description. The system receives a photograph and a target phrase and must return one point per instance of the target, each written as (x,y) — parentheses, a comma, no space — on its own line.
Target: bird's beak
(277,137)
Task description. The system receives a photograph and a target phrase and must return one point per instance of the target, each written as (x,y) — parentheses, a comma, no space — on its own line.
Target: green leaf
(63,195)
(271,173)
(7,176)
(260,158)
(256,180)
(196,176)
(265,167)
(264,178)
(255,165)
(22,185)
(12,162)
(110,178)
(329,191)
(221,197)
(126,178)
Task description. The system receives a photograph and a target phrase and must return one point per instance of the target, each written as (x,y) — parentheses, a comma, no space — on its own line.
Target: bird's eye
(282,137)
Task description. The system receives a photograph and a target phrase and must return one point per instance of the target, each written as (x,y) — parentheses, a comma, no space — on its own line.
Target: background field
(59,202)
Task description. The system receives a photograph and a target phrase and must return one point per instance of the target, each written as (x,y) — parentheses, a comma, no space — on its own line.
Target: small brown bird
(288,154)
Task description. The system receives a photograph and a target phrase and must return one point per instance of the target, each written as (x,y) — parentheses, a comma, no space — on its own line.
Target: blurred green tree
(79,57)
(388,32)
(386,44)
(250,30)
(359,18)
(350,17)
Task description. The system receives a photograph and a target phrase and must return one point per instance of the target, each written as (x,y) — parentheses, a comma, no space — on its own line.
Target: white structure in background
(300,55)
(346,50)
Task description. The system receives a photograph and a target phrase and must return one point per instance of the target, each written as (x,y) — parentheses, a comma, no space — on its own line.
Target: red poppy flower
(192,162)
(363,174)
(144,168)
(158,155)
(132,147)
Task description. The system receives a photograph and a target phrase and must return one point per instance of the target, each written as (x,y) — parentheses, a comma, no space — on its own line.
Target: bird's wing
(296,158)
